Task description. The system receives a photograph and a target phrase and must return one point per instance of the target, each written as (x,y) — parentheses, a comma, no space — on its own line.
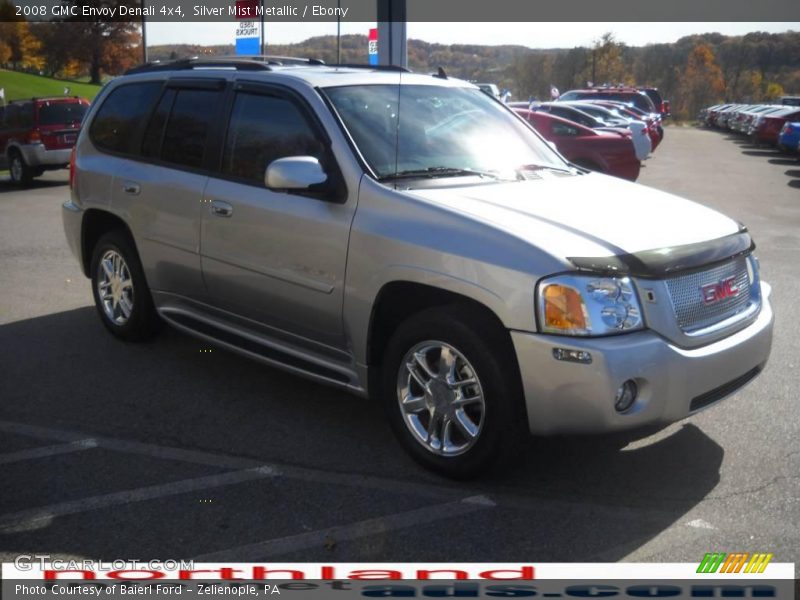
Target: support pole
(392,42)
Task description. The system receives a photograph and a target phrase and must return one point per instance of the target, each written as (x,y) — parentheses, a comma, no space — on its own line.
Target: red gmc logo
(724,288)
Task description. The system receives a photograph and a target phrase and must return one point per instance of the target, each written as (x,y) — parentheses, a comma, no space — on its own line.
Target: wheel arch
(398,300)
(96,223)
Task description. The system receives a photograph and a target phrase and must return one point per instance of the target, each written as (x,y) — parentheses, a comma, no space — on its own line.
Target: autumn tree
(57,47)
(21,46)
(108,46)
(702,82)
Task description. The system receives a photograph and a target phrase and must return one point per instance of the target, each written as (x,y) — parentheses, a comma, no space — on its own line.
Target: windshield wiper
(439,172)
(544,168)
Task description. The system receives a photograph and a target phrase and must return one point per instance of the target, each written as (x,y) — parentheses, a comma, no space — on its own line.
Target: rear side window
(61,113)
(263,129)
(19,116)
(188,125)
(116,125)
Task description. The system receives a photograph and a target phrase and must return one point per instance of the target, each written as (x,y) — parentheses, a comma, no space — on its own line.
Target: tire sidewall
(138,325)
(499,431)
(25,176)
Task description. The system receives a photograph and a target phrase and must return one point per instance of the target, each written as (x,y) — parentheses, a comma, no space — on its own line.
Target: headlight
(587,305)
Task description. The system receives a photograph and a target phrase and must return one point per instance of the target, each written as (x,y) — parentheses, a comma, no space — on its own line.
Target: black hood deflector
(659,263)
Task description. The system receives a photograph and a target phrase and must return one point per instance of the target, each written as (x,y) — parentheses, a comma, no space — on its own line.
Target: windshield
(61,113)
(438,131)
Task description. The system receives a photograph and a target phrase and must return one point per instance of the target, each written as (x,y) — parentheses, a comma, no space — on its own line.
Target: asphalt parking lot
(166,450)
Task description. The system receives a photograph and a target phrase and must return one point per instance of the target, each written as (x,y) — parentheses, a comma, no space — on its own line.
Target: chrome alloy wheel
(441,399)
(115,287)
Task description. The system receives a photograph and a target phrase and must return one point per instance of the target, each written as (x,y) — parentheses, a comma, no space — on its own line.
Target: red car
(767,128)
(602,151)
(38,134)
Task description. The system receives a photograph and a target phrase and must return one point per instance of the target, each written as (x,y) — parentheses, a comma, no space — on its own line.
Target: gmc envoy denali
(408,237)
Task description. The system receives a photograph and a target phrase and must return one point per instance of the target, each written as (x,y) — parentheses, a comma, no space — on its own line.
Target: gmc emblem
(724,288)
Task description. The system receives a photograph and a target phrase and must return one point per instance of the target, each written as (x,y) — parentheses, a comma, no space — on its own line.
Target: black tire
(21,173)
(143,321)
(487,348)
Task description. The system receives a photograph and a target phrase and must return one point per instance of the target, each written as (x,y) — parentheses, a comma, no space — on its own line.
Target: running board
(261,350)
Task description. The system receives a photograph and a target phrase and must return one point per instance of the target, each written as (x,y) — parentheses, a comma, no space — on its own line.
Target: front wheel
(452,392)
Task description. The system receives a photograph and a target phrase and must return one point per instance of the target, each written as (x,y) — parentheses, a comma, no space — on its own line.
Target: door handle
(131,187)
(219,208)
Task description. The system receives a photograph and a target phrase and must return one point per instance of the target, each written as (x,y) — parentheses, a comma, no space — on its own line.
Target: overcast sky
(534,35)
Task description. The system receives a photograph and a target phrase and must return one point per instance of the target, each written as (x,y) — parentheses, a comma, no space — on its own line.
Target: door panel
(163,207)
(276,257)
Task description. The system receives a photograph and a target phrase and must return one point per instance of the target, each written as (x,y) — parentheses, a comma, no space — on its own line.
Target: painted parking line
(435,491)
(316,476)
(45,451)
(33,518)
(378,525)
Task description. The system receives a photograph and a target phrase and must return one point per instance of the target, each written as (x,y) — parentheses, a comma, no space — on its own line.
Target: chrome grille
(692,312)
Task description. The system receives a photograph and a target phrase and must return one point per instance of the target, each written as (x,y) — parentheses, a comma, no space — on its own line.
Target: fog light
(578,356)
(626,396)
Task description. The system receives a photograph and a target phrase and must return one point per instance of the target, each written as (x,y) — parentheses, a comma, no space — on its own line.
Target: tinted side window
(25,115)
(2,116)
(19,116)
(188,126)
(263,129)
(153,135)
(117,123)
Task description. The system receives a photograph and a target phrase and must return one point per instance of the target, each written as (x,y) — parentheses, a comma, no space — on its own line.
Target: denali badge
(724,288)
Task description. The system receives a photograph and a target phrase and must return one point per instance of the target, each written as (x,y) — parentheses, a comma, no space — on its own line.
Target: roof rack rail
(240,63)
(272,59)
(396,68)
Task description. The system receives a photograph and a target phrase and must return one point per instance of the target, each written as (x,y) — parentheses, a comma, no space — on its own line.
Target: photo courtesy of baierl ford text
(399,299)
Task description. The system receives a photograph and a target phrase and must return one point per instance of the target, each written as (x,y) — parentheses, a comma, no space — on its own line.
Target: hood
(584,215)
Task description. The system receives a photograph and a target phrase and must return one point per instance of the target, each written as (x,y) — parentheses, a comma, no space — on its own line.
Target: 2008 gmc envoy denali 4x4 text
(408,237)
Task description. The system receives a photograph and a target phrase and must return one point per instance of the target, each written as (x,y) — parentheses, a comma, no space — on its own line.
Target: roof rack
(240,63)
(46,98)
(396,68)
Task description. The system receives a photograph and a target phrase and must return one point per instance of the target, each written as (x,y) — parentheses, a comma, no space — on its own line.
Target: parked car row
(773,124)
(609,130)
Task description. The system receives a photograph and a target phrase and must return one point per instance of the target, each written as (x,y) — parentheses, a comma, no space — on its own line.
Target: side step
(261,349)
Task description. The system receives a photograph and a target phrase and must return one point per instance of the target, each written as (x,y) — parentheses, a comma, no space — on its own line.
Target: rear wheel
(120,290)
(21,173)
(451,390)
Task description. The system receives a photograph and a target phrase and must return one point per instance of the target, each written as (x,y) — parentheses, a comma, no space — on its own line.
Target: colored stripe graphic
(711,562)
(735,562)
(758,563)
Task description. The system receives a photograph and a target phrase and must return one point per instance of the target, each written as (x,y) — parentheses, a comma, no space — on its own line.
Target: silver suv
(408,237)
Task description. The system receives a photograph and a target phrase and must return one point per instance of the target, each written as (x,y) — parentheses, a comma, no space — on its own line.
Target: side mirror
(294,173)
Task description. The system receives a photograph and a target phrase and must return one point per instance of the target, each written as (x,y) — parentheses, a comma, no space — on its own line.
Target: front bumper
(567,397)
(36,155)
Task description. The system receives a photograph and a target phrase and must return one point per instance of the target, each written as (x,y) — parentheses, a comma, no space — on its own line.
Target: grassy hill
(25,85)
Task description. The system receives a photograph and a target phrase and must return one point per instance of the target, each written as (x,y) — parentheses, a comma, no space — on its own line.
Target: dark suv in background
(37,135)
